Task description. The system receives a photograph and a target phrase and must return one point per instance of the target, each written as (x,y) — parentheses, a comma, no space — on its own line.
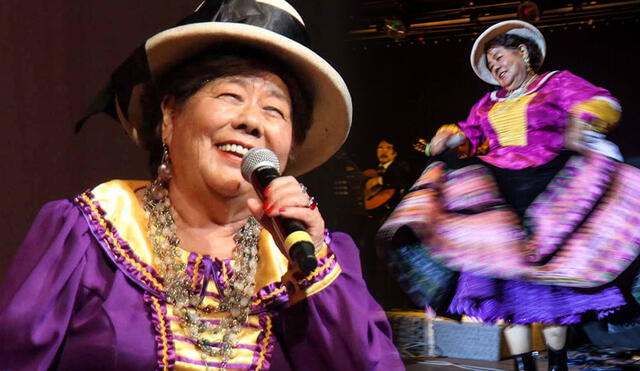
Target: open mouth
(234,149)
(502,74)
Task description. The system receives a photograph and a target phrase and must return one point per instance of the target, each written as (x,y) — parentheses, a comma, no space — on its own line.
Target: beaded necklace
(235,299)
(517,93)
(512,97)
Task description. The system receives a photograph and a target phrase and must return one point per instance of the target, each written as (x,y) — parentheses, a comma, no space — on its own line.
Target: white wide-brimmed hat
(514,27)
(271,26)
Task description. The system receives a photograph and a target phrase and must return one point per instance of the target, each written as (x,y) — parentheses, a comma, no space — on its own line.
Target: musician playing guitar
(383,190)
(387,183)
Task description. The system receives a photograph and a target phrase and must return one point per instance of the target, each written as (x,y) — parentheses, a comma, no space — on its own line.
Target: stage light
(528,11)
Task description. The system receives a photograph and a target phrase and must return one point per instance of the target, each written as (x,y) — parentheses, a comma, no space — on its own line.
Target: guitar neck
(420,144)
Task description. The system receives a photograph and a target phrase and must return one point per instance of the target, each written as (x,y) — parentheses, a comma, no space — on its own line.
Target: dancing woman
(536,212)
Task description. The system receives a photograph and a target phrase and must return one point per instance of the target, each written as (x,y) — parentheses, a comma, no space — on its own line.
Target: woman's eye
(230,96)
(274,110)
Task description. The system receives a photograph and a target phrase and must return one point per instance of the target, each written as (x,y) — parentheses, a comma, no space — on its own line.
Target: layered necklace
(517,93)
(235,298)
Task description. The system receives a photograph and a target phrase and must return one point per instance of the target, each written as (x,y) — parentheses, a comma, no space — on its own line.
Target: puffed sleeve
(38,295)
(587,102)
(341,327)
(472,129)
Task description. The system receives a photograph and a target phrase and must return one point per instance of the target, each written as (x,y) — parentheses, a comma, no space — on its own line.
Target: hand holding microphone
(287,213)
(443,141)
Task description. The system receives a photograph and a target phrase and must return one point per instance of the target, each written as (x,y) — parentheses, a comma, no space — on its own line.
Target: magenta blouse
(528,131)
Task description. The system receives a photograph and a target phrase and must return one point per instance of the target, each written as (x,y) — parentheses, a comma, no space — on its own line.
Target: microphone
(260,167)
(455,140)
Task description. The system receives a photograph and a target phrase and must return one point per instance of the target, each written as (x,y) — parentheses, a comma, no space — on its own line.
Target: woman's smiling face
(507,66)
(209,133)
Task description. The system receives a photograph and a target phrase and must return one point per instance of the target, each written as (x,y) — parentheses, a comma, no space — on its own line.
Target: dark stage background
(57,54)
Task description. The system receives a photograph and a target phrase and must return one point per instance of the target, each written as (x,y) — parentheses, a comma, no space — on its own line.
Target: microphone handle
(292,233)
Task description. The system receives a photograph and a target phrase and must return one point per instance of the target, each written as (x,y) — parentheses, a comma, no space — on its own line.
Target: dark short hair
(189,77)
(392,141)
(512,42)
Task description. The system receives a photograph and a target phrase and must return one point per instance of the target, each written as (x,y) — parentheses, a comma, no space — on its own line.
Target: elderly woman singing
(535,211)
(183,272)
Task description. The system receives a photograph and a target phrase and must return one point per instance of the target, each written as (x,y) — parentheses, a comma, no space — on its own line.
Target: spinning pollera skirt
(579,235)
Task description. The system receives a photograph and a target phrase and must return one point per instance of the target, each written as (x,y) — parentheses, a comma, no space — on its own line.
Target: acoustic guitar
(375,195)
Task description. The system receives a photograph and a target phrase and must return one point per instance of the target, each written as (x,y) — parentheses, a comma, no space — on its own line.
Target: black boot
(524,362)
(557,359)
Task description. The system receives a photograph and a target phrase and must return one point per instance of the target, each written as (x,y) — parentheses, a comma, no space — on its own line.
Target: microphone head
(258,158)
(455,140)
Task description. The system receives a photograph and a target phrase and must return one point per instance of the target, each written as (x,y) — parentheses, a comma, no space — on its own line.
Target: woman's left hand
(574,134)
(285,197)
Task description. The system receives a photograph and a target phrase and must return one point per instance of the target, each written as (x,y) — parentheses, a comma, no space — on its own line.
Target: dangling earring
(526,62)
(164,170)
(160,185)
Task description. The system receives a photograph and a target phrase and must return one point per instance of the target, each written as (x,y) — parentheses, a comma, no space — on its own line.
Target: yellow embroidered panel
(124,211)
(509,120)
(255,341)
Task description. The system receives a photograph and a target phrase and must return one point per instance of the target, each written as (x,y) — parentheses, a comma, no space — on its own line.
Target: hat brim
(331,106)
(519,28)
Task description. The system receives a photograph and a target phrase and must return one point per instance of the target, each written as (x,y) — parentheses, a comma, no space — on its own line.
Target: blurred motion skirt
(566,244)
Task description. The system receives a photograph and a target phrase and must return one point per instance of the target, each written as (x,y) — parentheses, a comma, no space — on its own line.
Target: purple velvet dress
(577,241)
(72,302)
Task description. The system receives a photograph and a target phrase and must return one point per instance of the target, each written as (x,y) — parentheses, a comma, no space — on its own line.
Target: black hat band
(135,69)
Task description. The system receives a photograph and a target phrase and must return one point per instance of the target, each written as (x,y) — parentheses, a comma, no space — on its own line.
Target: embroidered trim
(196,272)
(325,266)
(214,274)
(274,294)
(165,348)
(116,247)
(533,87)
(265,341)
(300,287)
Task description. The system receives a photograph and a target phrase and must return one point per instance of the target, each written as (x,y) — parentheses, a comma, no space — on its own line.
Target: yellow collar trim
(124,212)
(118,221)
